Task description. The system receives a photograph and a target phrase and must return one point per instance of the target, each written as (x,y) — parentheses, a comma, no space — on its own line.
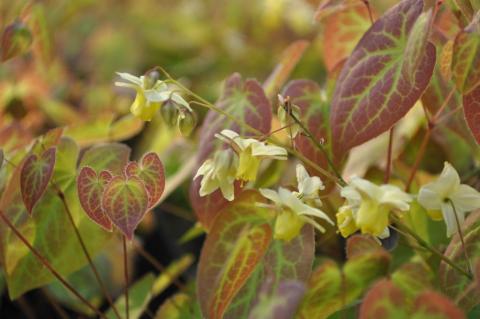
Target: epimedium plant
(269,188)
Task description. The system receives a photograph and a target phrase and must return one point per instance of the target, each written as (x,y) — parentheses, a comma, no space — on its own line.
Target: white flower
(308,187)
(149,96)
(448,195)
(219,173)
(369,206)
(250,152)
(293,213)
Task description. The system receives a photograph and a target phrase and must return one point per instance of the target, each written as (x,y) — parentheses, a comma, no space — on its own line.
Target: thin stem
(418,158)
(389,156)
(367,4)
(125,271)
(309,134)
(61,195)
(45,262)
(402,229)
(272,140)
(443,106)
(58,309)
(462,240)
(26,309)
(156,264)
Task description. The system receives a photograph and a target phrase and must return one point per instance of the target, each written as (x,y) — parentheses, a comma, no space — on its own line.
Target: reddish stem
(45,262)
(389,156)
(125,269)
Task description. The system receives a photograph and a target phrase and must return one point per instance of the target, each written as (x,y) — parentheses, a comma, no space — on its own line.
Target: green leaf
(139,294)
(111,157)
(466,61)
(125,201)
(35,175)
(235,245)
(375,88)
(462,290)
(175,269)
(48,230)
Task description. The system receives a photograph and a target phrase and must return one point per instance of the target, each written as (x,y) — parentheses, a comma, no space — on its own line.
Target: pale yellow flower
(369,206)
(150,96)
(219,173)
(250,152)
(292,213)
(448,196)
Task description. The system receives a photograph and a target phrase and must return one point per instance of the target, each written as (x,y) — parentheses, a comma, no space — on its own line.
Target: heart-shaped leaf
(471,109)
(125,201)
(90,191)
(245,101)
(151,172)
(109,156)
(376,87)
(236,243)
(35,176)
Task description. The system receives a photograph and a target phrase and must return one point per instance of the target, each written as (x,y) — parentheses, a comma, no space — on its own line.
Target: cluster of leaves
(383,59)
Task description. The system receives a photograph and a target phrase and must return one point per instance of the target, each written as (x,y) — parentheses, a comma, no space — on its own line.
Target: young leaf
(466,61)
(431,304)
(90,191)
(242,100)
(110,156)
(235,245)
(125,201)
(35,176)
(384,300)
(375,89)
(471,109)
(151,172)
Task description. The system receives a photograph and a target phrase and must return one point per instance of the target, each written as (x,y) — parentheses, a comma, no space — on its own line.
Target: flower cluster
(240,162)
(153,94)
(294,209)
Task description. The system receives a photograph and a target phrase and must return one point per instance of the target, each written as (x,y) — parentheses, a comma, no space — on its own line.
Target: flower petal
(450,219)
(130,78)
(271,195)
(429,198)
(466,198)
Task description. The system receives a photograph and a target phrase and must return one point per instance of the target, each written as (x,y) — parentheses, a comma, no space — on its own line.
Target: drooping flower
(219,173)
(293,213)
(250,152)
(308,186)
(151,93)
(447,198)
(368,207)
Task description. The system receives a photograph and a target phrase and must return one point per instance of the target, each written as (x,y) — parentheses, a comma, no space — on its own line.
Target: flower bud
(151,78)
(169,112)
(16,39)
(187,120)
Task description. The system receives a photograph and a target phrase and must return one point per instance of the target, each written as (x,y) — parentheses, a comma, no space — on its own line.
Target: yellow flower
(250,152)
(219,173)
(448,198)
(308,187)
(150,96)
(369,206)
(292,213)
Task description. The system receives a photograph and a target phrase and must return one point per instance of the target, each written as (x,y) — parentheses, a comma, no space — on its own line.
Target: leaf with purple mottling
(90,191)
(375,89)
(35,176)
(125,201)
(151,172)
(237,242)
(245,101)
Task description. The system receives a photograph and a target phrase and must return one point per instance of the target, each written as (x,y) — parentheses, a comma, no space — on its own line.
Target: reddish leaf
(235,245)
(314,113)
(431,304)
(16,40)
(384,300)
(151,172)
(90,191)
(35,176)
(471,108)
(245,101)
(342,32)
(327,8)
(375,89)
(1,158)
(125,201)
